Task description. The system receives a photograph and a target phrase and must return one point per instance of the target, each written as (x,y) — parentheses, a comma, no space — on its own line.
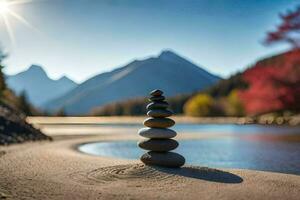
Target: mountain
(38,86)
(169,72)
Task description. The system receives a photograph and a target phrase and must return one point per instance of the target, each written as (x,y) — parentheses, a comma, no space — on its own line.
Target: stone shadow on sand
(203,173)
(135,172)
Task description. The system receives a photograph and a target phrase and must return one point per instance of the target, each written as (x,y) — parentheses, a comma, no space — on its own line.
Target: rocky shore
(14,128)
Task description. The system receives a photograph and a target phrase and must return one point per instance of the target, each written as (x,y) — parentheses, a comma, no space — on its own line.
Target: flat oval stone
(157,133)
(159,113)
(163,159)
(159,122)
(157,98)
(158,144)
(157,105)
(156,93)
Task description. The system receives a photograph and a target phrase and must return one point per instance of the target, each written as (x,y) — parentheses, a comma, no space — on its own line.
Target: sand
(56,170)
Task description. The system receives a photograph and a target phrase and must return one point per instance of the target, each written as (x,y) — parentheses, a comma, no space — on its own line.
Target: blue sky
(81,38)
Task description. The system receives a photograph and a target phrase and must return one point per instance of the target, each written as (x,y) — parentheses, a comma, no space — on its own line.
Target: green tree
(199,105)
(224,87)
(234,106)
(24,105)
(61,112)
(2,77)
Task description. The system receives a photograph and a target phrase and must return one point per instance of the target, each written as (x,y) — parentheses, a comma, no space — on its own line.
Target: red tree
(274,84)
(288,30)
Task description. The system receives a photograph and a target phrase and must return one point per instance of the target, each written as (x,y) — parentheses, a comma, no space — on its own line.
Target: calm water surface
(280,155)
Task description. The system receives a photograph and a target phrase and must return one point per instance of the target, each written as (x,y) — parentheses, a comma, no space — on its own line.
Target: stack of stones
(159,141)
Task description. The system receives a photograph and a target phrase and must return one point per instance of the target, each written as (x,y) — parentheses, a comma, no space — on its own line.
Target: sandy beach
(57,170)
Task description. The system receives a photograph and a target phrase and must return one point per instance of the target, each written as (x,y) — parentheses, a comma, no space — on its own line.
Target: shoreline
(80,120)
(76,148)
(58,170)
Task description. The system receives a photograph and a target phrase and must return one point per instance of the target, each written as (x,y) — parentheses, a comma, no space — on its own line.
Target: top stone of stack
(158,112)
(156,93)
(158,106)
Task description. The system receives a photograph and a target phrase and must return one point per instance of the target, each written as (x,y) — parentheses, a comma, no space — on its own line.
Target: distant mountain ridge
(169,72)
(38,86)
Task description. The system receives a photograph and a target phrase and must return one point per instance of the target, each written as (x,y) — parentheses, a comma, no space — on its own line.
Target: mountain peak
(65,79)
(167,71)
(169,55)
(167,52)
(36,68)
(38,85)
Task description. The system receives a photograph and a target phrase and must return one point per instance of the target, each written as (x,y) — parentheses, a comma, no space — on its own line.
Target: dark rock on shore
(14,128)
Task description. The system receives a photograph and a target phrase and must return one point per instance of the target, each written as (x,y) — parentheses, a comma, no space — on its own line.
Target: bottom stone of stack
(163,159)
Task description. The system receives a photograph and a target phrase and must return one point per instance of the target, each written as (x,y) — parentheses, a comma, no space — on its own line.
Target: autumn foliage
(274,84)
(288,30)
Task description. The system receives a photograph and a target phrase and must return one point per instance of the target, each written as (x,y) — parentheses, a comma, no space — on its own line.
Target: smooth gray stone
(157,133)
(163,159)
(156,93)
(161,145)
(157,98)
(159,113)
(159,122)
(157,105)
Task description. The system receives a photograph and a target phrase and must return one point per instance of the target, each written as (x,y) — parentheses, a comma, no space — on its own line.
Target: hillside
(272,84)
(38,86)
(14,128)
(136,80)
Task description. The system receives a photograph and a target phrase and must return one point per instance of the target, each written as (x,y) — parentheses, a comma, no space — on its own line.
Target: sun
(7,11)
(4,7)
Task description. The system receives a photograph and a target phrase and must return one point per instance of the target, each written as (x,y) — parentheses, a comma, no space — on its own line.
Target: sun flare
(4,7)
(6,11)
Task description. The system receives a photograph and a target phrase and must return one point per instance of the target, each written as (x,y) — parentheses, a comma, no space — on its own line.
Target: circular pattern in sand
(128,172)
(151,174)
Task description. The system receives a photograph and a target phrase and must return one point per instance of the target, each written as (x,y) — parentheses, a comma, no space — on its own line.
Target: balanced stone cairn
(158,134)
